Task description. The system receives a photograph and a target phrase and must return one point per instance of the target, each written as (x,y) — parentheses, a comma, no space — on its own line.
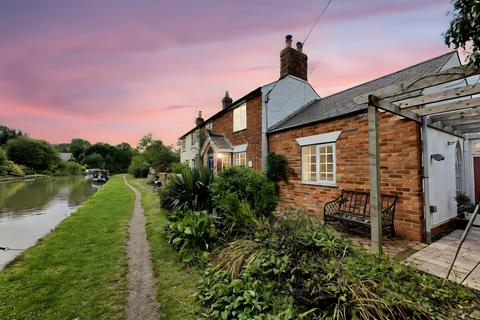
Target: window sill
(320,184)
(239,130)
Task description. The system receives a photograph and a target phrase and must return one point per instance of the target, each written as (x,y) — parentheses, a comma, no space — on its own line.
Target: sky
(115,70)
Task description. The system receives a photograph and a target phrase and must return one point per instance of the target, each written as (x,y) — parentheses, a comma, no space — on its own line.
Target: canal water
(31,209)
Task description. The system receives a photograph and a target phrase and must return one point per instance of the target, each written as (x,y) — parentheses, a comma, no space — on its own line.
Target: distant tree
(464,30)
(159,155)
(62,147)
(145,141)
(78,146)
(7,133)
(94,160)
(123,156)
(35,154)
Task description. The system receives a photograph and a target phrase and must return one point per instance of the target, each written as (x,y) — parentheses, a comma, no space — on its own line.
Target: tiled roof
(342,103)
(220,141)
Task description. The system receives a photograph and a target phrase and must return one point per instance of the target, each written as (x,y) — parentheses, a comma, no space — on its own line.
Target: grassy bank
(79,270)
(176,284)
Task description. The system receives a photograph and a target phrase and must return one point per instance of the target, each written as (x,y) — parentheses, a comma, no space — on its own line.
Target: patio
(437,257)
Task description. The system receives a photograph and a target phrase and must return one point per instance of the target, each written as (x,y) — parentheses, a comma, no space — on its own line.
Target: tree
(464,30)
(78,146)
(35,154)
(144,142)
(159,155)
(8,134)
(94,160)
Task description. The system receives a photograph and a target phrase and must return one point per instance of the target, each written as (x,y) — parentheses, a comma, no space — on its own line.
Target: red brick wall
(252,135)
(400,167)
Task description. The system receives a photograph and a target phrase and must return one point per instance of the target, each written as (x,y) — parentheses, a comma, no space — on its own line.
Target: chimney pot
(226,101)
(199,120)
(299,46)
(288,41)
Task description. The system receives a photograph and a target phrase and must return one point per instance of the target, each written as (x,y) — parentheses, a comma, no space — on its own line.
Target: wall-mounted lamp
(437,157)
(449,143)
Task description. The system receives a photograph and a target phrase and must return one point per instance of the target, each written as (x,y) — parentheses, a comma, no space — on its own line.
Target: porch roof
(218,142)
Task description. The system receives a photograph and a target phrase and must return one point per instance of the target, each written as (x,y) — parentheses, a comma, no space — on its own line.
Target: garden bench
(352,208)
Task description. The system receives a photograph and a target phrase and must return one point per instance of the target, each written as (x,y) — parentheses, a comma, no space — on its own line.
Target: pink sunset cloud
(113,71)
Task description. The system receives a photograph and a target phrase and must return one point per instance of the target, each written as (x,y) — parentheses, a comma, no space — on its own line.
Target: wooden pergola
(453,110)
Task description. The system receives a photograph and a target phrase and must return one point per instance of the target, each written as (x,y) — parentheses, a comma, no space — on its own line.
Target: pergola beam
(459,114)
(462,127)
(467,120)
(439,96)
(447,107)
(390,107)
(420,83)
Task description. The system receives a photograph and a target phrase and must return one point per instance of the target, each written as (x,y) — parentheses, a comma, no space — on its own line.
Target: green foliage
(78,146)
(246,185)
(192,235)
(159,155)
(297,268)
(277,167)
(9,134)
(68,168)
(188,190)
(115,158)
(464,202)
(3,162)
(465,28)
(14,169)
(178,167)
(139,167)
(93,160)
(35,154)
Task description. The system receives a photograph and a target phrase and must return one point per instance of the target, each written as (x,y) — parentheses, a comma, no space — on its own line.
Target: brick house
(325,141)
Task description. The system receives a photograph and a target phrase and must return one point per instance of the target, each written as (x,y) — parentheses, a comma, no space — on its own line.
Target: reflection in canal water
(30,209)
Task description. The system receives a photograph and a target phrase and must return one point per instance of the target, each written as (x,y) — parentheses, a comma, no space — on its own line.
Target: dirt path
(142,304)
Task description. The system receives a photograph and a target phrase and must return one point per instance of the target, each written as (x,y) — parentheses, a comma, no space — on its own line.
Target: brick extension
(400,167)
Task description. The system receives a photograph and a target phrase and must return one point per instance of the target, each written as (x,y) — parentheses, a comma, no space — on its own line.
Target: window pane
(309,163)
(329,148)
(477,148)
(240,118)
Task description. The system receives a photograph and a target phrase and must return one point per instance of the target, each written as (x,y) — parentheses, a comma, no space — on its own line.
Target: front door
(210,162)
(476,175)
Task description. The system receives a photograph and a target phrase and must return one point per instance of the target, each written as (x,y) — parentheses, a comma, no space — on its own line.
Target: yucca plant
(188,190)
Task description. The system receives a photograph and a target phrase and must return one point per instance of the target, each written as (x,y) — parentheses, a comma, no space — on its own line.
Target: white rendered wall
(442,177)
(189,153)
(288,95)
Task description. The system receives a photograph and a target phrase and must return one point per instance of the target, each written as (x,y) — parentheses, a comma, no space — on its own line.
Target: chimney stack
(199,120)
(226,101)
(293,62)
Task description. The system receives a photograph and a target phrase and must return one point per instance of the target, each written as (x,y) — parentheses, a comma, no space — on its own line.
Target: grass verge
(176,283)
(79,270)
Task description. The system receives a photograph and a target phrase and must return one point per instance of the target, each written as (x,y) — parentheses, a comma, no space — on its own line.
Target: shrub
(178,167)
(188,190)
(247,185)
(36,154)
(297,268)
(192,235)
(68,168)
(15,169)
(3,162)
(277,167)
(139,167)
(464,202)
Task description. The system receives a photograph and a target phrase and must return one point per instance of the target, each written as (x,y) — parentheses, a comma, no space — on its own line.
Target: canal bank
(29,209)
(79,269)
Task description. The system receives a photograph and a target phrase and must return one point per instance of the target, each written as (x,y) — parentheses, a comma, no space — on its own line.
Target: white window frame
(237,157)
(240,118)
(318,180)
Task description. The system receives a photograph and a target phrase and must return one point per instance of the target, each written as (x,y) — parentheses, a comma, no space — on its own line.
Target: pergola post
(374,164)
